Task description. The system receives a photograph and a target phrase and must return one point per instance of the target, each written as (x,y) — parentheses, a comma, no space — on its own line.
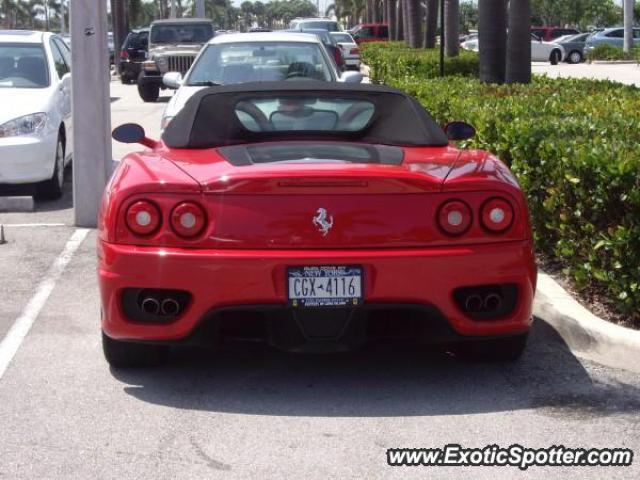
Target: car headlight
(162,62)
(26,125)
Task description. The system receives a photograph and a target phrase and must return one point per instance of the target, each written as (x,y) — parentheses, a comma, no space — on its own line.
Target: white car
(349,47)
(254,57)
(35,118)
(540,51)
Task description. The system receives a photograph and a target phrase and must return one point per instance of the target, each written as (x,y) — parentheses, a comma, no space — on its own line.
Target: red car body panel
(259,224)
(377,32)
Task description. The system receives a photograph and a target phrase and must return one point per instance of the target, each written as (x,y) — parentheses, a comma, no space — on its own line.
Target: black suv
(133,53)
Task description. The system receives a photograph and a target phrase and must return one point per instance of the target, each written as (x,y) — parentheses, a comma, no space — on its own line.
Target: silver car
(610,36)
(254,57)
(349,48)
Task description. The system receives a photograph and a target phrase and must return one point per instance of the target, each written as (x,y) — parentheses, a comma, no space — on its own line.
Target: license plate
(324,286)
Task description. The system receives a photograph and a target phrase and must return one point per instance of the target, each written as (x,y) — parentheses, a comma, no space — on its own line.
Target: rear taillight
(496,215)
(338,56)
(455,217)
(143,218)
(355,51)
(124,54)
(188,219)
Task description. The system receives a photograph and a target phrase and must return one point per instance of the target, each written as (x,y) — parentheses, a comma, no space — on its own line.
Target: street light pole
(174,9)
(442,32)
(92,161)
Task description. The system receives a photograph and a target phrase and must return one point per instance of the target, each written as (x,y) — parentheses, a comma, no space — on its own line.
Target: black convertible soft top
(209,118)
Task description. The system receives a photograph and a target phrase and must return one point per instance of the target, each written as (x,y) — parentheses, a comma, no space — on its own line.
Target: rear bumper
(419,280)
(130,69)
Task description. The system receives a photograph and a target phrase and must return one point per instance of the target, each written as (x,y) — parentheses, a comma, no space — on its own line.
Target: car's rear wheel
(130,355)
(575,57)
(508,349)
(52,189)
(555,57)
(148,91)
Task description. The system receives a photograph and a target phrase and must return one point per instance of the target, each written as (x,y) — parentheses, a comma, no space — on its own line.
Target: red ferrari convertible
(315,217)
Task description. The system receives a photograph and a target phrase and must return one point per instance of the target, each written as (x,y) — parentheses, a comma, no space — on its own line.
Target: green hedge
(394,60)
(609,52)
(575,147)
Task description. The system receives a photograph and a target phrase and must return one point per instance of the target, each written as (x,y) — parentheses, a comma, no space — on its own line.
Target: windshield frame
(156,27)
(45,56)
(323,51)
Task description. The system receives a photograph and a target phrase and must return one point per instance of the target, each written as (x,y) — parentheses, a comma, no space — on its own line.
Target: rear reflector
(497,215)
(188,219)
(143,218)
(455,217)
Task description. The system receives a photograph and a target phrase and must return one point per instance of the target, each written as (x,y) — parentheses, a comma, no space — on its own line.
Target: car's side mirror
(457,131)
(132,133)
(351,77)
(172,80)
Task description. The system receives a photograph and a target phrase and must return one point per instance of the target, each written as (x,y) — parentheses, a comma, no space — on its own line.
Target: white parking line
(20,328)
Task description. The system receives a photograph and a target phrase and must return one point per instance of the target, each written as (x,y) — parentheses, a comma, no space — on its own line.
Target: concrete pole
(174,9)
(200,13)
(628,25)
(91,108)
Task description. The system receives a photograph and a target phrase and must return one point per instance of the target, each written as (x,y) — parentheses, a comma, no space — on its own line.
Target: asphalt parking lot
(256,413)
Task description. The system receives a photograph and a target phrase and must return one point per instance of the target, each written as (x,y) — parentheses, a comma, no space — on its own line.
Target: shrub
(577,157)
(610,52)
(394,59)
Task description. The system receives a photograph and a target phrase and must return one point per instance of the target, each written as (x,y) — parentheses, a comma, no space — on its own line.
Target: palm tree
(391,18)
(492,39)
(452,27)
(400,21)
(431,30)
(413,23)
(519,42)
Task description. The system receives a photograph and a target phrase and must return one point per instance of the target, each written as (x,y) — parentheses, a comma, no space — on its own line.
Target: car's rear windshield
(177,34)
(328,25)
(242,62)
(23,66)
(300,114)
(342,37)
(316,152)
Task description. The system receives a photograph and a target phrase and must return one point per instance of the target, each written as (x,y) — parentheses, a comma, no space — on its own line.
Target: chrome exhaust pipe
(473,303)
(150,306)
(492,302)
(170,307)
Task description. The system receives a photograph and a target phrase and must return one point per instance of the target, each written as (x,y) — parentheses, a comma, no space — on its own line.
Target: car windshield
(174,34)
(23,66)
(342,37)
(230,63)
(298,114)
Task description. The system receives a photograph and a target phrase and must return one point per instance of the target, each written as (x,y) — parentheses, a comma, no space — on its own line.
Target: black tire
(131,355)
(508,349)
(555,57)
(575,57)
(125,79)
(52,189)
(148,91)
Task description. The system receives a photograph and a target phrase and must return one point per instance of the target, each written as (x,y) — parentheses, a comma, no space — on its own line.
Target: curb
(586,334)
(16,204)
(613,62)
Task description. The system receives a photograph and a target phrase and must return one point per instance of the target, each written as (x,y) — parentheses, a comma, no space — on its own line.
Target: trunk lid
(290,205)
